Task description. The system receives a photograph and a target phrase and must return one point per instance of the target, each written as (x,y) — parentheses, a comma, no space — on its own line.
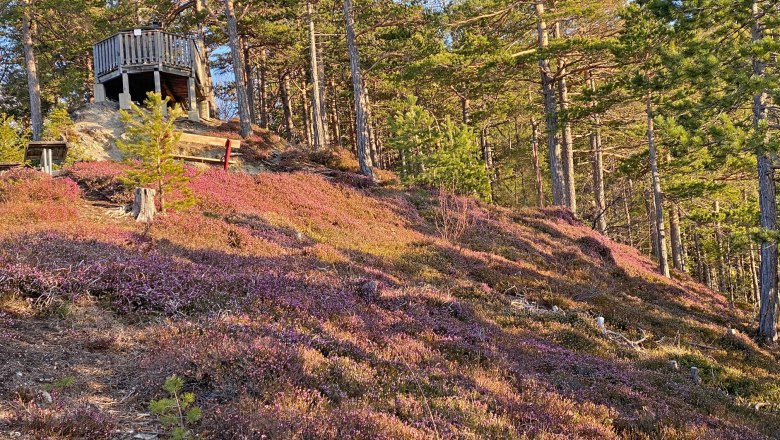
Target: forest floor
(309,303)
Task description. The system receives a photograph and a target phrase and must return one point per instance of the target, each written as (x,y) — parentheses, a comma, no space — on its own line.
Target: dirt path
(79,357)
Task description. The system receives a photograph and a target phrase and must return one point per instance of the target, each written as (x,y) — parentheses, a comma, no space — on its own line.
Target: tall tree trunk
(33,84)
(721,270)
(567,140)
(200,42)
(487,157)
(597,157)
(318,128)
(306,111)
(262,89)
(627,194)
(465,108)
(767,326)
(676,237)
(244,114)
(663,264)
(754,275)
(335,122)
(325,114)
(551,111)
(535,157)
(249,79)
(284,90)
(651,224)
(361,113)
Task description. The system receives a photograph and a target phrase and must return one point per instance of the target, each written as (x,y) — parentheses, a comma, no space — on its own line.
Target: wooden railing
(150,48)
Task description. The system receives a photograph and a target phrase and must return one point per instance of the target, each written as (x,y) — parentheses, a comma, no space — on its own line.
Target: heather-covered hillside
(310,304)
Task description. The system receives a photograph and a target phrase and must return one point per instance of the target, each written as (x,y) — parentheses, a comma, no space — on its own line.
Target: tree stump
(143,205)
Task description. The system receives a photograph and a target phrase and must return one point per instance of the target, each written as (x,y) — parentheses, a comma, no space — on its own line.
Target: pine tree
(149,147)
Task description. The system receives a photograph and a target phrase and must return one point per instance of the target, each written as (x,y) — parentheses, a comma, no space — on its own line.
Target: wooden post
(43,161)
(227,154)
(143,205)
(192,101)
(124,97)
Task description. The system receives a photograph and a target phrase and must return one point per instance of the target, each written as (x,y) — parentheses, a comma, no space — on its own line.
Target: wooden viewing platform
(133,62)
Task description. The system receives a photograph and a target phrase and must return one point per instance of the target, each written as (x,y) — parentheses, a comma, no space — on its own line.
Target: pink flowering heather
(308,305)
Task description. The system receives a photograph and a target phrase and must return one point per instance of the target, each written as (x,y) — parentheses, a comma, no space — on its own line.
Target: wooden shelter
(135,61)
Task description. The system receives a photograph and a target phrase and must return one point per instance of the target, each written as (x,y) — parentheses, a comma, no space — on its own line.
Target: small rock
(675,366)
(601,325)
(695,375)
(46,396)
(298,236)
(19,374)
(143,436)
(369,289)
(14,434)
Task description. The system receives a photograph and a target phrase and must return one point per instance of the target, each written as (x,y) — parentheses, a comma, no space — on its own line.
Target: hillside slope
(309,305)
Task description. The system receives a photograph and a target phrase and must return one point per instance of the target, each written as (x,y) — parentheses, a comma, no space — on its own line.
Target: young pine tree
(151,138)
(12,140)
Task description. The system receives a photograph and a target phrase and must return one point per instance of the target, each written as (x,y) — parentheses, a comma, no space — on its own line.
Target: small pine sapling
(176,411)
(151,138)
(58,126)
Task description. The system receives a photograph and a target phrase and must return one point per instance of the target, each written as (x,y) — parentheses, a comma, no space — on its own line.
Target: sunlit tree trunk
(597,158)
(767,326)
(284,91)
(627,194)
(550,109)
(306,111)
(31,63)
(249,79)
(262,90)
(318,128)
(361,113)
(238,69)
(567,140)
(206,82)
(535,158)
(335,121)
(676,238)
(663,264)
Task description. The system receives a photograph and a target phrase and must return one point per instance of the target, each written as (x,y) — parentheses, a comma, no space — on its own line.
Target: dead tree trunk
(143,205)
(551,111)
(358,87)
(318,128)
(31,63)
(767,326)
(663,264)
(244,114)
